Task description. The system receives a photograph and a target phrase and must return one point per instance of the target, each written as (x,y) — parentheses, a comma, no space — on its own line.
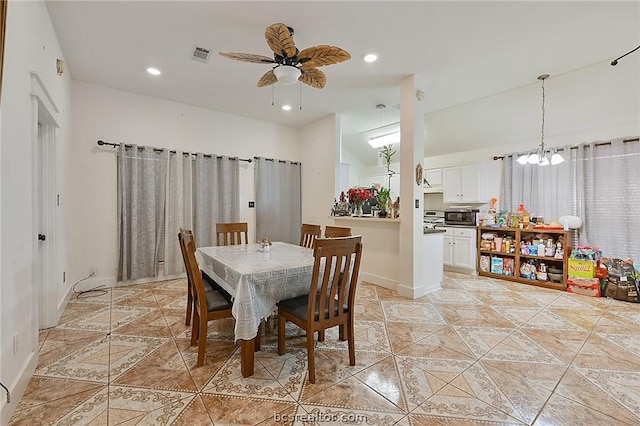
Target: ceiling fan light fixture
(286,107)
(153,71)
(287,74)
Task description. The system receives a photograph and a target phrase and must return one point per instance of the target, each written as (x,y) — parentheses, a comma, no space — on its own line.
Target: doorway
(45,200)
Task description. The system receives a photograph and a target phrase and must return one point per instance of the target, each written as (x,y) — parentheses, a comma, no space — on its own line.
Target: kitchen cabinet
(433,176)
(492,260)
(464,184)
(459,249)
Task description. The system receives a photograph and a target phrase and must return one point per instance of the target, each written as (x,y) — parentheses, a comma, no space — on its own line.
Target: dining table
(256,278)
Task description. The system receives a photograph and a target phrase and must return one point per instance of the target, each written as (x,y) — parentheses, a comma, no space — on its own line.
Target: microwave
(461,216)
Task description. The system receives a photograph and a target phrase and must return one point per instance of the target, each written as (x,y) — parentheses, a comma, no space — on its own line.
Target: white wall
(31,46)
(117,116)
(319,157)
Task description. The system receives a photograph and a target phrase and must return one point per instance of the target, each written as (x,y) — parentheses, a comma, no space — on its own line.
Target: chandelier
(541,156)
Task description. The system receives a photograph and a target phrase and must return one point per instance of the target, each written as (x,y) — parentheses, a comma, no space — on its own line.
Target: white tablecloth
(257,280)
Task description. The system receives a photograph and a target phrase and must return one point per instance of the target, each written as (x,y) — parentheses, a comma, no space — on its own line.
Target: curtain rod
(575,147)
(115,145)
(280,161)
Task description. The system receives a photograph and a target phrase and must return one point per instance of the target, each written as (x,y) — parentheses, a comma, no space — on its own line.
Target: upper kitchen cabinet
(433,178)
(465,184)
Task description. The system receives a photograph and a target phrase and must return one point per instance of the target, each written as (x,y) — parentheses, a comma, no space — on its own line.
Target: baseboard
(111,282)
(460,270)
(18,387)
(379,281)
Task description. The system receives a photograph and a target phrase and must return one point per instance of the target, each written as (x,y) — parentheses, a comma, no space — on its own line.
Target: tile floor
(478,351)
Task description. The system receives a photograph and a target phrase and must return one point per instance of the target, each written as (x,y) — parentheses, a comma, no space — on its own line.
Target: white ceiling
(465,51)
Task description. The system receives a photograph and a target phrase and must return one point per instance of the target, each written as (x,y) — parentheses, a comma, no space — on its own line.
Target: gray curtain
(141,206)
(278,200)
(215,195)
(545,191)
(179,209)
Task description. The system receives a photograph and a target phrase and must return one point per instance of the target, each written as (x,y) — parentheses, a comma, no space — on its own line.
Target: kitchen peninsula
(381,253)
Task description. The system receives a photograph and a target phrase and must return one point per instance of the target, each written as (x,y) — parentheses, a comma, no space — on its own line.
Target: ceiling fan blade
(267,79)
(248,57)
(313,77)
(318,56)
(280,40)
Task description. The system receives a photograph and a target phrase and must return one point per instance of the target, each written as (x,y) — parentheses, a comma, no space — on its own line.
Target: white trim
(379,281)
(43,142)
(18,387)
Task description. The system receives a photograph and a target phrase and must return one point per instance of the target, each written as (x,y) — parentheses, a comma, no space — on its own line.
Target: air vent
(200,54)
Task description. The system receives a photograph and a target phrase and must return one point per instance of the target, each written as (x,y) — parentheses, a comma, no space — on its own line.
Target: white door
(469,183)
(451,185)
(447,247)
(46,220)
(462,250)
(43,143)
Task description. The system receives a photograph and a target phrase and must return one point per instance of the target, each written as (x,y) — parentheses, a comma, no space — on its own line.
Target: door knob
(42,237)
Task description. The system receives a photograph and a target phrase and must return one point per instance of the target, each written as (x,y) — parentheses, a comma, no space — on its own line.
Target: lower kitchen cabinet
(459,251)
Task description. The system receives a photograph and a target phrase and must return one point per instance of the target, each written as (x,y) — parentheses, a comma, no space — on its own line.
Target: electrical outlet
(252,204)
(64,277)
(15,344)
(93,271)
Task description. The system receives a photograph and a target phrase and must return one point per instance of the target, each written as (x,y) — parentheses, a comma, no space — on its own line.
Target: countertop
(434,231)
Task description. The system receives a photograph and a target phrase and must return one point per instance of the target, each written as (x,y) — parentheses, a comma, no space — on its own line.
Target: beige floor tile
(480,351)
(49,399)
(613,393)
(152,324)
(216,354)
(384,378)
(444,343)
(231,410)
(564,344)
(520,348)
(369,336)
(454,403)
(404,334)
(344,416)
(473,316)
(351,394)
(600,353)
(481,340)
(406,311)
(163,369)
(560,411)
(368,310)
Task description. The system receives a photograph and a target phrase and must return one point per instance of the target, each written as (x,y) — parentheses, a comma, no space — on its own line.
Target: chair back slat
(193,271)
(308,234)
(228,234)
(336,231)
(333,288)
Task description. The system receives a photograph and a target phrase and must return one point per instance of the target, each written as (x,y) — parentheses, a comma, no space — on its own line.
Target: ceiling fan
(291,64)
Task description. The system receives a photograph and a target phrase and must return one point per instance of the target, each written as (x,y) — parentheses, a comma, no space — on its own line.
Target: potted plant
(383,198)
(387,153)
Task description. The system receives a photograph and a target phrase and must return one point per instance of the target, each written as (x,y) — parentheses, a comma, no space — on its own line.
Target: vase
(357,211)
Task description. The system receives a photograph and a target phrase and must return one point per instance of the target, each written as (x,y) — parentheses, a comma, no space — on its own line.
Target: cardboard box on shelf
(581,268)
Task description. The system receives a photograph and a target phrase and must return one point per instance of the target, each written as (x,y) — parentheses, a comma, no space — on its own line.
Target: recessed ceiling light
(370,57)
(154,71)
(286,107)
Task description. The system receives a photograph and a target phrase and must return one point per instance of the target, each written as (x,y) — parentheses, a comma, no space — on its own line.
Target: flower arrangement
(358,195)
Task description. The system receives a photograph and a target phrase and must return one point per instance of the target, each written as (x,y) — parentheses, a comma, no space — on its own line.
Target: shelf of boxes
(495,262)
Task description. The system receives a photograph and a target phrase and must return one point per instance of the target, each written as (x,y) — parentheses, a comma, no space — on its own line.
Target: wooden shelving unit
(517,234)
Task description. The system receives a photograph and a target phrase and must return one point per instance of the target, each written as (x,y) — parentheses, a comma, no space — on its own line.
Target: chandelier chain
(543,111)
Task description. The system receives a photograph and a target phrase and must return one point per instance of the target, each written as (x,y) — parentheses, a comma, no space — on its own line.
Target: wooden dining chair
(308,234)
(336,231)
(330,299)
(208,282)
(231,233)
(208,306)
